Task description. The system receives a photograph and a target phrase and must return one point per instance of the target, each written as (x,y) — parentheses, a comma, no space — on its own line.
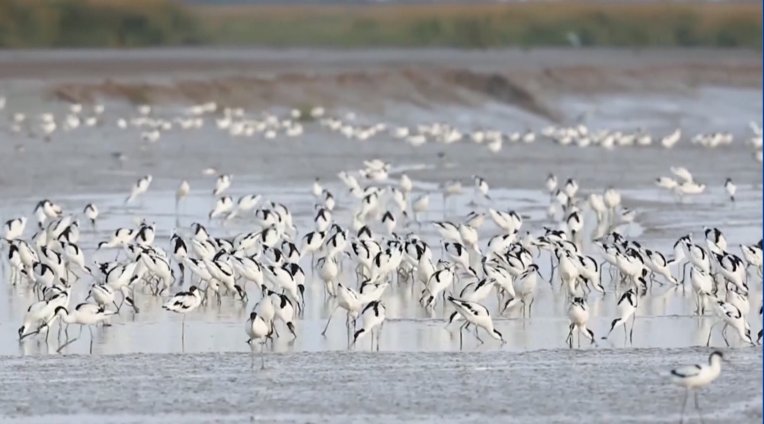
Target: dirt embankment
(370,81)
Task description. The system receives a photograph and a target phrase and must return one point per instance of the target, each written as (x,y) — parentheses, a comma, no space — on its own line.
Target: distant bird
(222,184)
(420,205)
(222,205)
(682,173)
(551,183)
(695,377)
(670,140)
(666,182)
(140,187)
(729,186)
(181,193)
(91,212)
(481,186)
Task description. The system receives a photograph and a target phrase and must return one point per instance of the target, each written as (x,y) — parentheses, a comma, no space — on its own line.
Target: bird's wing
(686,371)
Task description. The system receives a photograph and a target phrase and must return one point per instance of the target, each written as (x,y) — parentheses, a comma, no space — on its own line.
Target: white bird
(373,316)
(578,313)
(730,316)
(670,140)
(181,193)
(682,173)
(140,187)
(420,205)
(257,329)
(105,295)
(14,228)
(627,306)
(222,205)
(477,315)
(183,303)
(84,314)
(730,188)
(695,377)
(666,182)
(91,213)
(551,183)
(689,187)
(481,186)
(222,184)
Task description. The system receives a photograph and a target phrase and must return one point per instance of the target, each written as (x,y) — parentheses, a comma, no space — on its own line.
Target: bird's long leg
(569,339)
(477,336)
(461,340)
(262,356)
(631,332)
(710,331)
(684,405)
(724,334)
(697,407)
(323,333)
(90,328)
(183,333)
(379,335)
(551,265)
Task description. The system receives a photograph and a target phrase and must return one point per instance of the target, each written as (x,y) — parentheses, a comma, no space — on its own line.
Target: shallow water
(665,317)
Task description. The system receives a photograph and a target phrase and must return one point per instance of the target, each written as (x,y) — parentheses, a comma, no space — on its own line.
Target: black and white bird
(477,315)
(258,330)
(14,228)
(696,377)
(731,316)
(730,188)
(183,303)
(627,307)
(91,213)
(84,314)
(578,313)
(373,317)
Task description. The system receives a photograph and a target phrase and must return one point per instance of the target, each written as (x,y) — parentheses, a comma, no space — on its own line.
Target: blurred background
(320,23)
(511,65)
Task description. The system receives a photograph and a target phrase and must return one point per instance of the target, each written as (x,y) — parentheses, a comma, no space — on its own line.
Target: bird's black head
(192,289)
(59,309)
(252,316)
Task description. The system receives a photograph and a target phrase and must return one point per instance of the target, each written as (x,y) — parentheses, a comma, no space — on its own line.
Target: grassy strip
(133,23)
(488,25)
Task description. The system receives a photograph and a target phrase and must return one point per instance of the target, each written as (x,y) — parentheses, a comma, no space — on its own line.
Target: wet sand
(603,386)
